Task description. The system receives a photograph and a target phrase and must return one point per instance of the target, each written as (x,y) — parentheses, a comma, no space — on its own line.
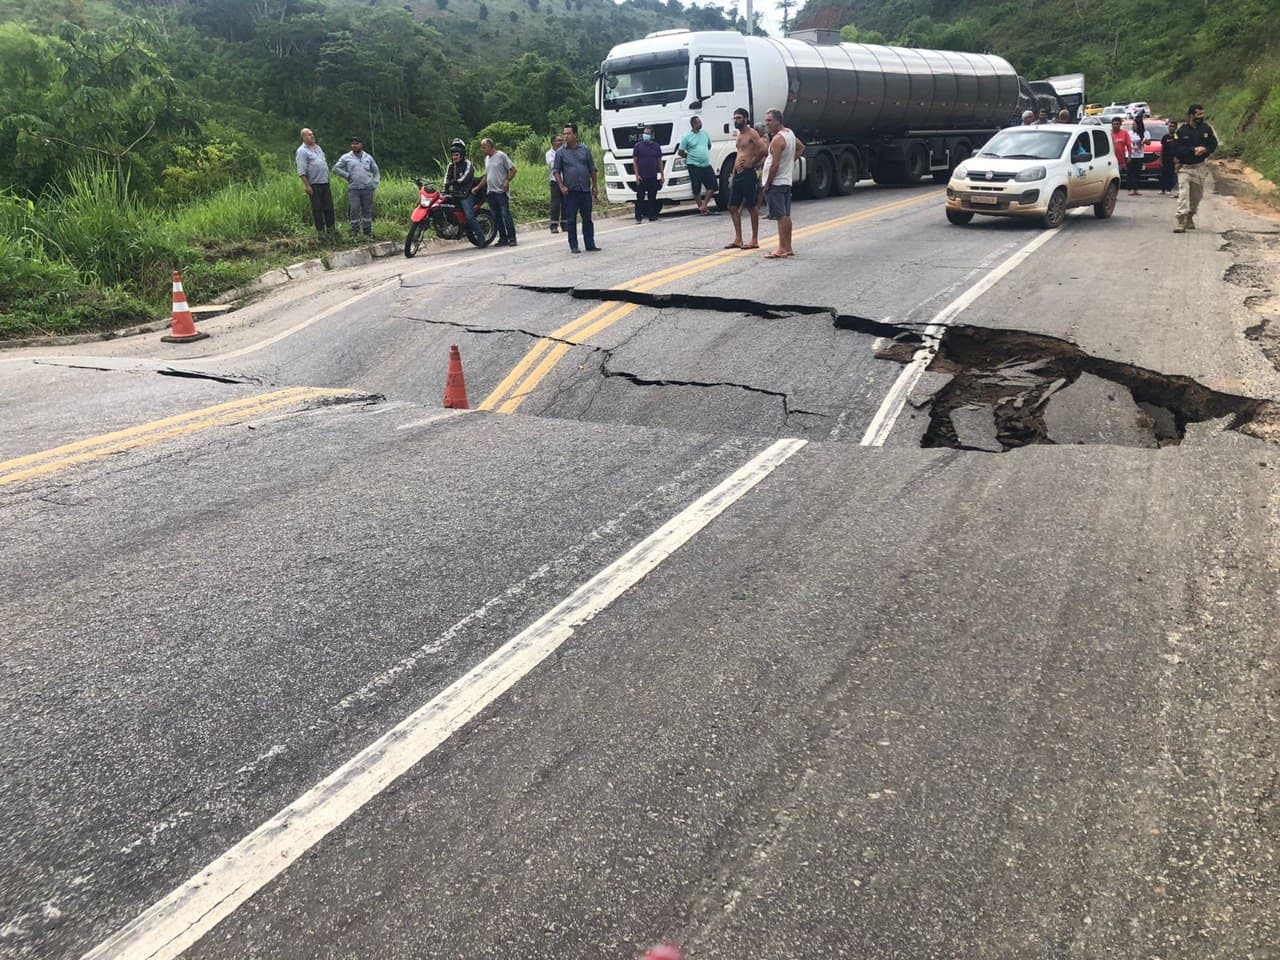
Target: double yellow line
(36,465)
(548,351)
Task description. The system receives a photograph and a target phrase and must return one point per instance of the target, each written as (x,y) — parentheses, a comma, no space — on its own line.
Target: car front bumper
(1002,200)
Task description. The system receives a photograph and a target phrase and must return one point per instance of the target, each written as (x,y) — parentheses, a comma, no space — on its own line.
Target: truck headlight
(678,164)
(1030,174)
(611,169)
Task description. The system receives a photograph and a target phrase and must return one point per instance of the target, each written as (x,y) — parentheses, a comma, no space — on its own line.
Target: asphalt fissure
(1037,389)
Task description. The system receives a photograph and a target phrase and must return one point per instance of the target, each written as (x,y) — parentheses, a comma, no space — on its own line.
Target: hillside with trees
(140,135)
(1224,53)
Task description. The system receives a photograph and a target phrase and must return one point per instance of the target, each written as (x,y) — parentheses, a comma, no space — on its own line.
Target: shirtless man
(745,189)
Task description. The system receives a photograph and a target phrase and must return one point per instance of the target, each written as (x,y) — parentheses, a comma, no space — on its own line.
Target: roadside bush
(273,206)
(196,171)
(505,135)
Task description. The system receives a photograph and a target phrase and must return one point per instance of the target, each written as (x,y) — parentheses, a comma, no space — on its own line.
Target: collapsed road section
(986,389)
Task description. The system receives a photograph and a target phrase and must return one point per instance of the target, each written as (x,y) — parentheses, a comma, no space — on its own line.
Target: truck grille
(627,137)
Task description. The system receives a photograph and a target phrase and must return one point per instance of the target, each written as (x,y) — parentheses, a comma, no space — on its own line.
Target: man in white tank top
(783,150)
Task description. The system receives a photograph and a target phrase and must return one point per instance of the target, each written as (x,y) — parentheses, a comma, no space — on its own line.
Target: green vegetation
(137,136)
(1171,53)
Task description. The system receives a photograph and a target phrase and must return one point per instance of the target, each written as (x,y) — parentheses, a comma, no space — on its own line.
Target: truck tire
(726,183)
(846,173)
(917,163)
(820,176)
(889,167)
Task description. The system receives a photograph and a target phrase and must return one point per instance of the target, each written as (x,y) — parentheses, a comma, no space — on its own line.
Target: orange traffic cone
(455,388)
(183,329)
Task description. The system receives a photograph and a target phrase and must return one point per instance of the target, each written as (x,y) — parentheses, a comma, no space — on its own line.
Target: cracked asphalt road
(892,702)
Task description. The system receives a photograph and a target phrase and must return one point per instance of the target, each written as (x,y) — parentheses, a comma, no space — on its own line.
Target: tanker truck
(894,114)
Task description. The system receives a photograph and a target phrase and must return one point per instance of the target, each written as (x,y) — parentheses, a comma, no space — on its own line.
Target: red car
(1151,155)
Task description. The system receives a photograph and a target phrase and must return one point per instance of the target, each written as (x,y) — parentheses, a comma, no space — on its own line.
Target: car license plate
(979,198)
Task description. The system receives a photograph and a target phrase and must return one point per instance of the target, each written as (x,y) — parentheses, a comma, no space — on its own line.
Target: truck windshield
(647,79)
(1026,144)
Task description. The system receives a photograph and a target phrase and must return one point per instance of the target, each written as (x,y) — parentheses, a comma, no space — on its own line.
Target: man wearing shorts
(745,188)
(695,147)
(783,150)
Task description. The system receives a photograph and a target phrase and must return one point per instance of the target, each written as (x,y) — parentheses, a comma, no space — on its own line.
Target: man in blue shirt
(313,169)
(574,169)
(695,147)
(361,172)
(647,156)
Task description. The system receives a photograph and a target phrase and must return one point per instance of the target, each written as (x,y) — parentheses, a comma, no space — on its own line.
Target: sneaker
(1191,224)
(574,250)
(592,250)
(555,229)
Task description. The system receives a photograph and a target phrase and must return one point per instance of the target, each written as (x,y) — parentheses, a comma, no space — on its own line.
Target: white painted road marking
(179,920)
(891,407)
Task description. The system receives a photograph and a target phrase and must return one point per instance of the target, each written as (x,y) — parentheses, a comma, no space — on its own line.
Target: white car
(1038,172)
(1133,108)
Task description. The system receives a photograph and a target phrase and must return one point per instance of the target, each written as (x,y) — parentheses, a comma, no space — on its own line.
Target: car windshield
(1035,144)
(629,83)
(1157,130)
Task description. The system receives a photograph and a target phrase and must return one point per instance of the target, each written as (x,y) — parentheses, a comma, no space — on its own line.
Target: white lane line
(176,922)
(447,415)
(891,407)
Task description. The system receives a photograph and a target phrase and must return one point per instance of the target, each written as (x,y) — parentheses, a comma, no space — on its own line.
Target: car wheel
(959,217)
(1107,205)
(1057,211)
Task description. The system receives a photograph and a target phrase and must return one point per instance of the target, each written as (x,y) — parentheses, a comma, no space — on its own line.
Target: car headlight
(961,172)
(611,169)
(678,164)
(1031,173)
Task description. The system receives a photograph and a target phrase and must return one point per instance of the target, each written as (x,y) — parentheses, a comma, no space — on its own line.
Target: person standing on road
(1042,118)
(695,147)
(1121,140)
(783,150)
(1064,116)
(361,172)
(557,201)
(1168,165)
(1194,144)
(1138,140)
(745,188)
(575,172)
(1028,118)
(313,169)
(647,157)
(499,171)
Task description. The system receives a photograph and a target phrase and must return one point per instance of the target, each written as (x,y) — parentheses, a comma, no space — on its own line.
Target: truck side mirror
(704,84)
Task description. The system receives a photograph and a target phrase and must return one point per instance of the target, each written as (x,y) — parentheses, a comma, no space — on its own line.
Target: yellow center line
(149,434)
(550,352)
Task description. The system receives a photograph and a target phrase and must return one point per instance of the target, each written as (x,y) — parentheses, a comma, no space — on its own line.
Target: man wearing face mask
(647,156)
(1194,144)
(745,188)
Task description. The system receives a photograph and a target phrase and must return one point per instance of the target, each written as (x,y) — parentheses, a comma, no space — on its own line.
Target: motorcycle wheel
(488,228)
(413,242)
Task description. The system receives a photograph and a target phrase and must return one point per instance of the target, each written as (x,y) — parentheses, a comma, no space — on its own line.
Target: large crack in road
(988,389)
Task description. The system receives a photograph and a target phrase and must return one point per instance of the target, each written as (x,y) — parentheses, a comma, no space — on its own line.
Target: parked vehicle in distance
(1120,110)
(1092,109)
(1152,153)
(1037,172)
(1137,105)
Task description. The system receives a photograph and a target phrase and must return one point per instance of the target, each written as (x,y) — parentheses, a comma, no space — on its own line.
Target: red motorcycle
(445,215)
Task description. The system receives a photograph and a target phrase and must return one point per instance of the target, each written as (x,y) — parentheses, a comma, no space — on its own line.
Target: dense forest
(1225,53)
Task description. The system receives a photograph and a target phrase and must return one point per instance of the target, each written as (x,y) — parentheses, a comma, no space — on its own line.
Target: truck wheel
(846,173)
(1107,205)
(959,217)
(726,183)
(1057,211)
(917,163)
(820,176)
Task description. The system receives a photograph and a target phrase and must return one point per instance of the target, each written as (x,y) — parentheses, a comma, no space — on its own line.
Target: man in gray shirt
(499,171)
(314,171)
(361,172)
(574,169)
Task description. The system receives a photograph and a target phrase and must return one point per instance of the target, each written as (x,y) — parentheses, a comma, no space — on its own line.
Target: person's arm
(301,165)
(680,149)
(340,168)
(512,175)
(557,172)
(591,165)
(377,174)
(1210,141)
(775,154)
(799,147)
(482,182)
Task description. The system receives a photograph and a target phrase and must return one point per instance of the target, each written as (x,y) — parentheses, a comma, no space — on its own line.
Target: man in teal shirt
(695,147)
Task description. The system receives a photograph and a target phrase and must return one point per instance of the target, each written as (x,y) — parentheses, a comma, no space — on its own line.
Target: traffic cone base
(455,387)
(183,329)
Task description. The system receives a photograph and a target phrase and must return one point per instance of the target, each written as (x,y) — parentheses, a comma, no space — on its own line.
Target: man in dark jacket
(647,156)
(1194,144)
(460,183)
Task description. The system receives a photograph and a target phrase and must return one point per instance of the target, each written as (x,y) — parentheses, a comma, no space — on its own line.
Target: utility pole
(751,26)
